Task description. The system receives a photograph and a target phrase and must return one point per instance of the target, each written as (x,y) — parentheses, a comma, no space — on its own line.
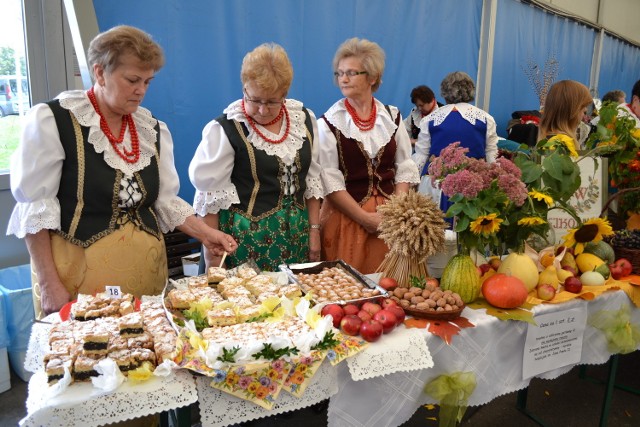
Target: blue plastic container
(17,313)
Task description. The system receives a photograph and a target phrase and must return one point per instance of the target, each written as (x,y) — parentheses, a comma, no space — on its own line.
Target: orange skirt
(129,257)
(345,239)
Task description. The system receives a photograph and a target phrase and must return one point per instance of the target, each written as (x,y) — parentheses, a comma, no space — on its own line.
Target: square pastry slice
(131,325)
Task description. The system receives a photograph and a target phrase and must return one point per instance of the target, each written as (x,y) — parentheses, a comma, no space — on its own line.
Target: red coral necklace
(126,155)
(252,123)
(362,124)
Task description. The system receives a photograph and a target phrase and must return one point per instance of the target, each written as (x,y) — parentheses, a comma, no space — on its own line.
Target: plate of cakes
(91,307)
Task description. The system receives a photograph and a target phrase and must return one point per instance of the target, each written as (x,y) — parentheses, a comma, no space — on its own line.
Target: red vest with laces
(363,176)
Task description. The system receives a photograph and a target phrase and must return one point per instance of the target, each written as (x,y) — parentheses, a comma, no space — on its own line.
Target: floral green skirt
(281,238)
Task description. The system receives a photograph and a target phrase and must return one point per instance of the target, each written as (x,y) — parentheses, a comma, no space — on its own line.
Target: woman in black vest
(96,184)
(365,155)
(256,171)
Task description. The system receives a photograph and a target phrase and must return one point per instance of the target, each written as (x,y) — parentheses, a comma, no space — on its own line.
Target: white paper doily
(218,408)
(396,352)
(130,400)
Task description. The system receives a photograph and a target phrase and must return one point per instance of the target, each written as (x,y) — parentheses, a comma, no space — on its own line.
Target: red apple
(431,281)
(350,324)
(616,271)
(573,284)
(371,307)
(545,292)
(484,268)
(398,312)
(387,319)
(364,315)
(335,311)
(351,309)
(371,330)
(570,270)
(625,266)
(386,302)
(388,283)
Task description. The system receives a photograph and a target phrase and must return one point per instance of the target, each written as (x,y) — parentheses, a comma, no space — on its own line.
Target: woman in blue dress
(458,120)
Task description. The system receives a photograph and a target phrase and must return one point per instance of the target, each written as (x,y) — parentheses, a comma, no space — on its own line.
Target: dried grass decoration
(413,227)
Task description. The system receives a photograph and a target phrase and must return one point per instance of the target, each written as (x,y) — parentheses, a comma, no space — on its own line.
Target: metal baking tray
(314,268)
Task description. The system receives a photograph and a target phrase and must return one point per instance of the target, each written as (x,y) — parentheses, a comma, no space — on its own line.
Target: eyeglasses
(259,103)
(348,73)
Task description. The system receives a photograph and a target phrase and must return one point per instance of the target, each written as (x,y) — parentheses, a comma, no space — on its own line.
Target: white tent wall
(492,40)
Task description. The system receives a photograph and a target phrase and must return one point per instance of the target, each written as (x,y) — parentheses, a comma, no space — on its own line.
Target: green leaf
(269,353)
(328,342)
(228,355)
(462,224)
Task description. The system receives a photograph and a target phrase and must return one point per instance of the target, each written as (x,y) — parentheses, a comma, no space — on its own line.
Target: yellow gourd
(522,267)
(588,262)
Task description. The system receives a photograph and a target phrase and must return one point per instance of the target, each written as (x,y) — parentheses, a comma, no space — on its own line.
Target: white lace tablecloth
(218,409)
(493,350)
(81,404)
(402,350)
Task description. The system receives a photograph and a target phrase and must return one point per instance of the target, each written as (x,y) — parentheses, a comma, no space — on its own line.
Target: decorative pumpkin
(522,267)
(602,250)
(461,276)
(504,291)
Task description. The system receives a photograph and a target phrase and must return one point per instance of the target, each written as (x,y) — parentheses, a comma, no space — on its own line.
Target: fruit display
(461,276)
(370,320)
(504,291)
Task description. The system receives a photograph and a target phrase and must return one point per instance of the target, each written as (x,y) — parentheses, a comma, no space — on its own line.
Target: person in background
(365,155)
(425,103)
(95,182)
(633,107)
(565,105)
(458,120)
(616,96)
(256,169)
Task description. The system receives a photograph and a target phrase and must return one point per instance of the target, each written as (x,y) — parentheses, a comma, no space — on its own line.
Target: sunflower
(567,141)
(592,230)
(531,220)
(486,224)
(541,197)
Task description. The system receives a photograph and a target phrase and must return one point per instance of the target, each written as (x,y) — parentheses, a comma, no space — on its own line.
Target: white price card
(555,341)
(113,292)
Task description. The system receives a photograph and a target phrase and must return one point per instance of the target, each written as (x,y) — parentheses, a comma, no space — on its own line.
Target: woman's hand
(314,244)
(370,221)
(53,296)
(217,242)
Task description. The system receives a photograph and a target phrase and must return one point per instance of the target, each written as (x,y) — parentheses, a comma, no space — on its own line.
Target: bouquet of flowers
(618,139)
(501,205)
(481,193)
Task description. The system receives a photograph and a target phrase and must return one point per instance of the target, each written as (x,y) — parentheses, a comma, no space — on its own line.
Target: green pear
(569,260)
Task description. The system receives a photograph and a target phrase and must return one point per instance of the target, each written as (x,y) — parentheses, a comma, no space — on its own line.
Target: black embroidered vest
(362,174)
(89,187)
(260,178)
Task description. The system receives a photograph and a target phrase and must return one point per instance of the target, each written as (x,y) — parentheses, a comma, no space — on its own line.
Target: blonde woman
(256,169)
(365,154)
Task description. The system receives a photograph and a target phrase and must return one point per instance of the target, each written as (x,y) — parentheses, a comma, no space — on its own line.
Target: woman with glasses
(256,169)
(365,154)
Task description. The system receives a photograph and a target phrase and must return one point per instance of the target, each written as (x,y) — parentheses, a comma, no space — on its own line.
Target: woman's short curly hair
(458,87)
(268,67)
(108,47)
(370,55)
